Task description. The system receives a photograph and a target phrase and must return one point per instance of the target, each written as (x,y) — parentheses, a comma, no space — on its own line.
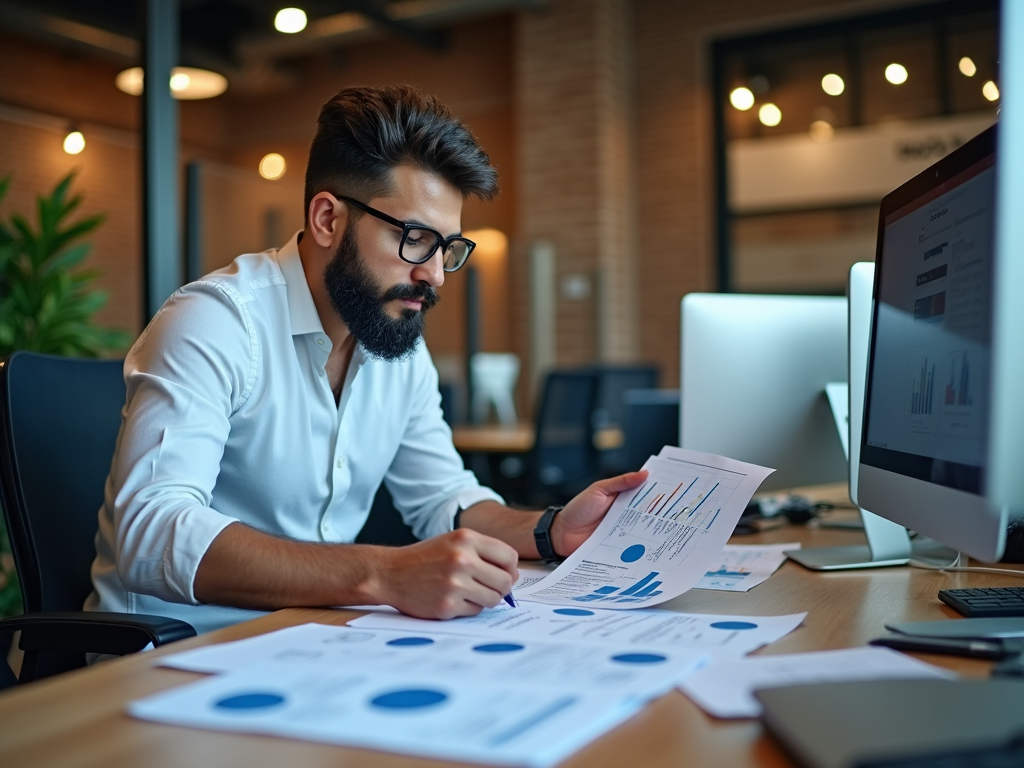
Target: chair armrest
(94,631)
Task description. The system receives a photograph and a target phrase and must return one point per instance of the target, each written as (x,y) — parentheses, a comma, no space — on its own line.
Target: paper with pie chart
(484,721)
(657,540)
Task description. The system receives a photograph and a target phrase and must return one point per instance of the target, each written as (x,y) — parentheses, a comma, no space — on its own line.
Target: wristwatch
(542,536)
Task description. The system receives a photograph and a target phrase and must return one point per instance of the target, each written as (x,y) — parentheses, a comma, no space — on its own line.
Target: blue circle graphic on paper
(409,699)
(639,658)
(498,647)
(734,625)
(574,612)
(409,641)
(632,554)
(250,701)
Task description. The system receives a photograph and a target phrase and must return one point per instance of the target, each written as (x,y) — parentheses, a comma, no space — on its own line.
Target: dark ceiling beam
(431,39)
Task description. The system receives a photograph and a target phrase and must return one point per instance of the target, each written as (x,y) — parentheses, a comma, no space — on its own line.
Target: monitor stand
(888,542)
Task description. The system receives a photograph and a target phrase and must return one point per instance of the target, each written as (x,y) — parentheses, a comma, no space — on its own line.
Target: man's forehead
(417,195)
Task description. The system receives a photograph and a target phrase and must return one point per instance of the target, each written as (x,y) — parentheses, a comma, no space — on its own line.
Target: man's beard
(360,301)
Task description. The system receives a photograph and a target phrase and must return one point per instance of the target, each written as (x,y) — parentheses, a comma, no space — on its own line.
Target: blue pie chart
(414,698)
(574,612)
(734,625)
(249,701)
(408,641)
(632,553)
(498,647)
(639,658)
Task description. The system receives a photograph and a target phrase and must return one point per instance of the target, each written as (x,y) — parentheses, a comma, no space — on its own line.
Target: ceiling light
(742,98)
(967,66)
(832,84)
(290,20)
(272,166)
(821,130)
(896,74)
(185,83)
(74,142)
(990,91)
(769,114)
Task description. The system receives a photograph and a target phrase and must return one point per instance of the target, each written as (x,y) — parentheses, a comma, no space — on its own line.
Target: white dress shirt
(230,416)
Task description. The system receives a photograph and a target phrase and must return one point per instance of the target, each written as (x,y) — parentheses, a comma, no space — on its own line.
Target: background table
(79,719)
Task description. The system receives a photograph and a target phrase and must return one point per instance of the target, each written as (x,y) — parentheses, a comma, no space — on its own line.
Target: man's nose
(430,271)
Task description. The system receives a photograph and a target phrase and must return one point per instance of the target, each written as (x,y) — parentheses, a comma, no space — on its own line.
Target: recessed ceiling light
(896,74)
(272,166)
(990,91)
(832,84)
(290,20)
(74,142)
(769,115)
(742,98)
(967,66)
(186,83)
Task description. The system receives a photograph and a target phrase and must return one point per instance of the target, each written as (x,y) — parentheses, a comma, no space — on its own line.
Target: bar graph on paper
(657,539)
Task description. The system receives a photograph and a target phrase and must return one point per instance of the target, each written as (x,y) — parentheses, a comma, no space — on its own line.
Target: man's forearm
(246,568)
(513,526)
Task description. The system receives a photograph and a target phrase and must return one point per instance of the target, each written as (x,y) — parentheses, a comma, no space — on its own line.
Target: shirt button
(325,528)
(320,342)
(341,462)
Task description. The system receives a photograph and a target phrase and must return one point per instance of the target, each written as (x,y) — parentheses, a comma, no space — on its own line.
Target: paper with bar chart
(659,539)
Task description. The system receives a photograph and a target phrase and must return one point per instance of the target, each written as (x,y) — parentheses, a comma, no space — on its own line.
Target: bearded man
(269,400)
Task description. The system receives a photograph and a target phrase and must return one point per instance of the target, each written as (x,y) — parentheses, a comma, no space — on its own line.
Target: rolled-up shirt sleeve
(185,376)
(427,479)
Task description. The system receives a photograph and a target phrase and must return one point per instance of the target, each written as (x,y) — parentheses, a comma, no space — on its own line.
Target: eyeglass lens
(420,244)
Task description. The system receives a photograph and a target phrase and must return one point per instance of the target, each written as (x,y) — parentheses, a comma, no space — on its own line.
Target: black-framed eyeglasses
(419,243)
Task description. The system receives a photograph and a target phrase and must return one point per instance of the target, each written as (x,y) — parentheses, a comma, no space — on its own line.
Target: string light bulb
(272,166)
(74,142)
(896,74)
(742,98)
(967,67)
(990,91)
(290,20)
(832,84)
(769,115)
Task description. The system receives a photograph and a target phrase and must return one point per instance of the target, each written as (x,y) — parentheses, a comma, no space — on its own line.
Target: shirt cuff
(445,521)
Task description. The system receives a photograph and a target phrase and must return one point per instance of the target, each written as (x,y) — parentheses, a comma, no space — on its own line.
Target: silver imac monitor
(928,408)
(753,371)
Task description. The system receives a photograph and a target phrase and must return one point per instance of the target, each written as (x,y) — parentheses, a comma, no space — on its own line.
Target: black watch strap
(542,536)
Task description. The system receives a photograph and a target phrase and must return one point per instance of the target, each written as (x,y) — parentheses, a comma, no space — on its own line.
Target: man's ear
(327,217)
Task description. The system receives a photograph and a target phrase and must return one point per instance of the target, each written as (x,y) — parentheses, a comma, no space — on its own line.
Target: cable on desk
(955,568)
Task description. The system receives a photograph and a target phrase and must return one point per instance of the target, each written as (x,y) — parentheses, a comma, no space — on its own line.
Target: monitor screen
(927,403)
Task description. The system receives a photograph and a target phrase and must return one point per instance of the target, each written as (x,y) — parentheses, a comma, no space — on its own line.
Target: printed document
(733,635)
(493,722)
(741,567)
(659,539)
(622,671)
(725,687)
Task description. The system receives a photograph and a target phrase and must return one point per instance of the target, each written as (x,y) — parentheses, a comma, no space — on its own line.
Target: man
(267,402)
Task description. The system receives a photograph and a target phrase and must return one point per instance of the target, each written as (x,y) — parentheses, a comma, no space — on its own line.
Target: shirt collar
(301,309)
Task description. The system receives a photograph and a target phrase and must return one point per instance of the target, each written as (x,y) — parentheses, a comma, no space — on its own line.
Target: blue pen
(510,600)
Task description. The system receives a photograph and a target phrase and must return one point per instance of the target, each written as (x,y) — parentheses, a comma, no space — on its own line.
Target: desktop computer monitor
(928,405)
(753,371)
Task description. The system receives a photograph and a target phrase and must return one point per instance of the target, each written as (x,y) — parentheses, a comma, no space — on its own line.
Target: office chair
(650,421)
(564,460)
(613,381)
(59,419)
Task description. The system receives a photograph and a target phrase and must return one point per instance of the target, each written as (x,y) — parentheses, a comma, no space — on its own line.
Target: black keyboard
(989,601)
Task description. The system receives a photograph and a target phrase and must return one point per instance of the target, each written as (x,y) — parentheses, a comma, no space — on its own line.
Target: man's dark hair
(362,133)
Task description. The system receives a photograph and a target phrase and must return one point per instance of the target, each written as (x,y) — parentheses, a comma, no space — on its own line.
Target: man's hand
(455,574)
(581,516)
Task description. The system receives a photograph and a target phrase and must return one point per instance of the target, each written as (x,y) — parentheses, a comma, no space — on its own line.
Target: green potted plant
(47,302)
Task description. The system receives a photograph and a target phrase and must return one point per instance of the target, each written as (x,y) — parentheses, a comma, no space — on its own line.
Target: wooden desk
(79,719)
(489,438)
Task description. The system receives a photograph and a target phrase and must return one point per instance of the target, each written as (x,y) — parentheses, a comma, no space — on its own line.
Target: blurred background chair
(650,421)
(613,381)
(59,419)
(494,377)
(564,459)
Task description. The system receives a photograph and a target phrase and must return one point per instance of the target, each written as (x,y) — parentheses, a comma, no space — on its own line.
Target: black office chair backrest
(564,457)
(59,419)
(651,421)
(613,381)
